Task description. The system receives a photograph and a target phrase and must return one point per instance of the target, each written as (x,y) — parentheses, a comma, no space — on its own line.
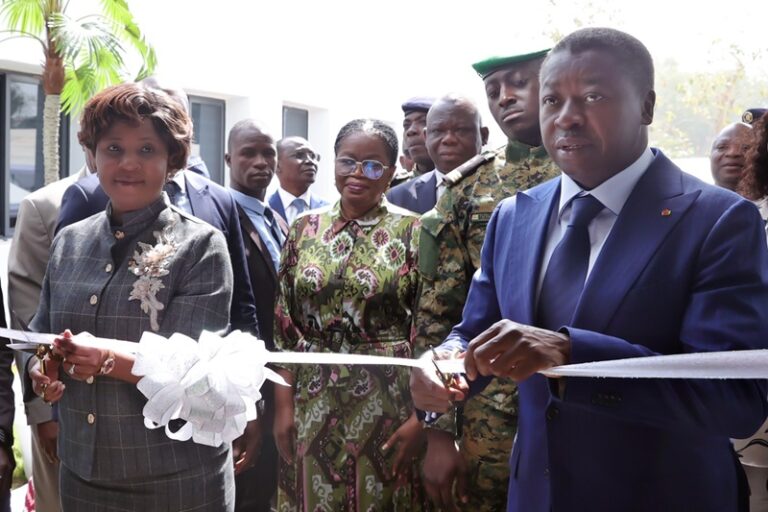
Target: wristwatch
(108,365)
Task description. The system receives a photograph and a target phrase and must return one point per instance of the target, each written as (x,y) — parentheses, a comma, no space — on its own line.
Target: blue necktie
(300,206)
(567,270)
(274,229)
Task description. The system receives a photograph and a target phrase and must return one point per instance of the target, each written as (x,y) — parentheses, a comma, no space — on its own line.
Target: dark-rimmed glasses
(372,169)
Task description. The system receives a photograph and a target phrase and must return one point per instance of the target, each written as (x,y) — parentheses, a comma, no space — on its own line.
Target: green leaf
(117,13)
(79,86)
(25,15)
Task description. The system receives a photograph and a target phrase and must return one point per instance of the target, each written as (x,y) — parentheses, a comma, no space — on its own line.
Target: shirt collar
(287,198)
(613,192)
(369,219)
(249,202)
(439,177)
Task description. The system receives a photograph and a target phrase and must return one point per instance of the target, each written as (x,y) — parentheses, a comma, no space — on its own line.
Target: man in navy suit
(453,134)
(296,171)
(622,256)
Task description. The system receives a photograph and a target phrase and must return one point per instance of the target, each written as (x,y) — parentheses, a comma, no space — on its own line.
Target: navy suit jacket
(418,195)
(277,204)
(693,280)
(209,202)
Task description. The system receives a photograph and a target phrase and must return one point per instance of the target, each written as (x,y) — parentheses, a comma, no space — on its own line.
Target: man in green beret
(451,238)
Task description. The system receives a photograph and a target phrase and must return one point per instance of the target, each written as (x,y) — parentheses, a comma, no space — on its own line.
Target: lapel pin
(666,212)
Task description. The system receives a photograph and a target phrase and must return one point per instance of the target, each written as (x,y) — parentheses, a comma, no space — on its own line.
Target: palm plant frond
(25,15)
(117,13)
(79,86)
(72,37)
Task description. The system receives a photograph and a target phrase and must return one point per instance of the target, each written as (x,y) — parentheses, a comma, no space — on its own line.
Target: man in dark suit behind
(251,160)
(622,256)
(453,134)
(296,171)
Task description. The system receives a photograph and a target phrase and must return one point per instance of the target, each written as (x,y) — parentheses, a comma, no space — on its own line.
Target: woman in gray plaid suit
(142,265)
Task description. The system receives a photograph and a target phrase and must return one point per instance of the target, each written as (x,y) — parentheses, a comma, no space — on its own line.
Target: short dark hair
(131,103)
(241,126)
(754,182)
(373,127)
(630,53)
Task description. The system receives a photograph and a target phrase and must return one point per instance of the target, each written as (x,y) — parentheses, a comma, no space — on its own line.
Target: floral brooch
(150,263)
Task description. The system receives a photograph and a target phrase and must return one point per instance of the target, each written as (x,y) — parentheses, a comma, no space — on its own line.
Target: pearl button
(91,418)
(119,235)
(108,268)
(94,300)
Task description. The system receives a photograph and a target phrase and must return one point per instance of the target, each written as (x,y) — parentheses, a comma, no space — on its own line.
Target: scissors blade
(30,348)
(27,337)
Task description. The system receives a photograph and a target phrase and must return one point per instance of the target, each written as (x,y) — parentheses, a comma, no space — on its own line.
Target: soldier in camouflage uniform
(451,238)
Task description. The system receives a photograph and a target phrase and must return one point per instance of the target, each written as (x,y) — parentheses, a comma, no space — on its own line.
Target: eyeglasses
(306,156)
(372,169)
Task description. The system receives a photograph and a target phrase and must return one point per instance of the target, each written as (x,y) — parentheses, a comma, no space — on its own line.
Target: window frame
(206,100)
(6,76)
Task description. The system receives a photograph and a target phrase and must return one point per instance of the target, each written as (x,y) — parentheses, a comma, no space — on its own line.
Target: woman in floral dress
(348,435)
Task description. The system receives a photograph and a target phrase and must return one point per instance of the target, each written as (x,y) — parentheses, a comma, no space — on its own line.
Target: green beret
(493,64)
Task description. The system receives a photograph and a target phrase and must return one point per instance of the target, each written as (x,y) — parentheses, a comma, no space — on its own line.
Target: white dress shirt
(613,193)
(287,199)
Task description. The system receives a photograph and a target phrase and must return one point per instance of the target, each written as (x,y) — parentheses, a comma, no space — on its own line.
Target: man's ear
(228,159)
(484,135)
(648,105)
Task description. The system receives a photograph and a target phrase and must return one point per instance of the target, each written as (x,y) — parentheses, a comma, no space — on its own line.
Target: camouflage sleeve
(444,284)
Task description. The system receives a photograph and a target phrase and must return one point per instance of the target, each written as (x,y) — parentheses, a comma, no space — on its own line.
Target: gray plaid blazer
(86,288)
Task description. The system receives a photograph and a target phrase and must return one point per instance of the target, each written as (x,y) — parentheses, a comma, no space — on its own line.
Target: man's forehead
(296,145)
(253,136)
(593,65)
(449,112)
(528,68)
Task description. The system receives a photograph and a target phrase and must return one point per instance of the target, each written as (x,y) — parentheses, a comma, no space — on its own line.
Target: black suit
(255,486)
(209,202)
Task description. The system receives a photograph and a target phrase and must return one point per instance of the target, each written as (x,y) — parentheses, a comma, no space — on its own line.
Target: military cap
(493,64)
(418,104)
(753,114)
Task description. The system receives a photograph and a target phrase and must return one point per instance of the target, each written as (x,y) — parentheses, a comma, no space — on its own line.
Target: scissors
(445,378)
(38,349)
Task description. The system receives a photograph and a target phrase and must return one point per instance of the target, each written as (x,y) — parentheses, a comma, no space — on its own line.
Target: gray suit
(107,454)
(418,195)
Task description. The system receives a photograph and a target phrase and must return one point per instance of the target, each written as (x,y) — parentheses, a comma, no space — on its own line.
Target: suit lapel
(532,213)
(639,230)
(277,204)
(199,202)
(424,198)
(249,228)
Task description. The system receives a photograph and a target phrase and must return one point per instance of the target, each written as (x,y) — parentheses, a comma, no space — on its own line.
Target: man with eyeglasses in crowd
(296,172)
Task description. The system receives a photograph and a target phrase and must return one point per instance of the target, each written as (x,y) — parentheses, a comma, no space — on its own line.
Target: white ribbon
(214,383)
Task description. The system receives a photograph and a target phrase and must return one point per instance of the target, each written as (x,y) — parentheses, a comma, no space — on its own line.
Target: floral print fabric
(349,286)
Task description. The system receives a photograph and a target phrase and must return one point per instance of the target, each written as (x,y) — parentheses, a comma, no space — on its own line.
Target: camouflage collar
(517,151)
